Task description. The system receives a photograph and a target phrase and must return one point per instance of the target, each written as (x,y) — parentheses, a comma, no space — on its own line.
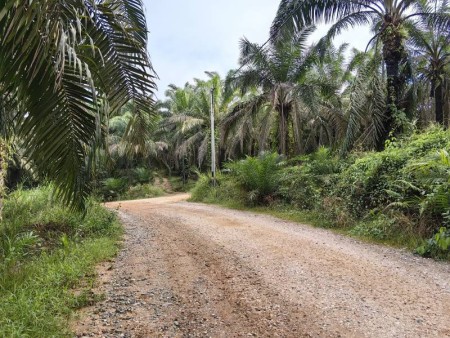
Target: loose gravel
(194,270)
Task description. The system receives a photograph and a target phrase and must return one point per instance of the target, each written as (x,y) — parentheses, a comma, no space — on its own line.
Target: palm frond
(68,64)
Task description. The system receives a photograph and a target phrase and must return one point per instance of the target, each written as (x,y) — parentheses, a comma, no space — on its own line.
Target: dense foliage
(286,97)
(46,250)
(65,67)
(293,98)
(399,195)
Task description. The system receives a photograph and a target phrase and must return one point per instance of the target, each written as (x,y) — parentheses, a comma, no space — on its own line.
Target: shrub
(35,221)
(112,188)
(226,191)
(363,185)
(258,176)
(369,183)
(305,184)
(142,191)
(297,186)
(379,227)
(437,246)
(142,175)
(45,250)
(399,195)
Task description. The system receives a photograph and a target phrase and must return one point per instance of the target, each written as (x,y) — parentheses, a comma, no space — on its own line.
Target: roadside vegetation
(47,251)
(67,68)
(397,196)
(353,140)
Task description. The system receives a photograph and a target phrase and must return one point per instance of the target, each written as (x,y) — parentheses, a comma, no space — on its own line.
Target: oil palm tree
(389,19)
(246,128)
(331,75)
(64,65)
(131,137)
(188,117)
(429,45)
(366,95)
(284,93)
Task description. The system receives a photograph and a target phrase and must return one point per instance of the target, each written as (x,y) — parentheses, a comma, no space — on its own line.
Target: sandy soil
(194,270)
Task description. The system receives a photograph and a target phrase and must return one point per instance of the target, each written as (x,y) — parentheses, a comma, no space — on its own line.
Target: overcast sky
(189,37)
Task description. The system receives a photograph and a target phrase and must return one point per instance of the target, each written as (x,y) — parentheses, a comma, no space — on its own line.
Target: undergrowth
(142,191)
(46,250)
(399,196)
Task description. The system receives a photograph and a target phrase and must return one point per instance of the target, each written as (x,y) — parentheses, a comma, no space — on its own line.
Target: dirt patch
(192,270)
(163,183)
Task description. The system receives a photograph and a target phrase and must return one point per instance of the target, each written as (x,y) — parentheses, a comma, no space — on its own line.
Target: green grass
(46,251)
(142,191)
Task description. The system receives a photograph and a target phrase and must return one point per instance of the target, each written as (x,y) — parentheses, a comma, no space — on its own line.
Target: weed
(142,191)
(47,249)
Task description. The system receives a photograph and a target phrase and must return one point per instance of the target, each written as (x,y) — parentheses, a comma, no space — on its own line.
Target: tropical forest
(303,192)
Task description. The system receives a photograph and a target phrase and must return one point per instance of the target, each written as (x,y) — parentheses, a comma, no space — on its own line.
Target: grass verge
(46,251)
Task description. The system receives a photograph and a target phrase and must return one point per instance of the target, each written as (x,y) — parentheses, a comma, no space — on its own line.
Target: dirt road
(193,270)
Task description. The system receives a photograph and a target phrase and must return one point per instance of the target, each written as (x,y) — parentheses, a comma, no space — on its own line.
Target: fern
(258,175)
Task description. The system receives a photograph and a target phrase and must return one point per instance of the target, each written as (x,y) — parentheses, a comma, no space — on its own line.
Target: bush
(305,184)
(142,191)
(363,185)
(226,191)
(35,221)
(298,186)
(112,188)
(399,195)
(142,175)
(437,246)
(45,250)
(258,176)
(377,180)
(379,227)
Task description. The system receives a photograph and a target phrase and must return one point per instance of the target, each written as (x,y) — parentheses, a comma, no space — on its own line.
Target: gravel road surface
(195,270)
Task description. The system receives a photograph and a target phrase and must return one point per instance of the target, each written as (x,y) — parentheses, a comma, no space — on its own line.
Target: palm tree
(430,46)
(326,127)
(64,65)
(188,117)
(246,128)
(131,138)
(366,95)
(279,72)
(389,19)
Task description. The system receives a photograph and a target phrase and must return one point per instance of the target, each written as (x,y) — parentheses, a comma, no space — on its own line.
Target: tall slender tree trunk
(283,132)
(439,104)
(221,156)
(3,172)
(394,55)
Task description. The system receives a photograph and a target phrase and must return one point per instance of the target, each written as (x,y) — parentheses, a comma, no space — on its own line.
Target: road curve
(195,270)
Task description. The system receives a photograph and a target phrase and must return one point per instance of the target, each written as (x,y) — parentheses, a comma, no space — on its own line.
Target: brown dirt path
(194,270)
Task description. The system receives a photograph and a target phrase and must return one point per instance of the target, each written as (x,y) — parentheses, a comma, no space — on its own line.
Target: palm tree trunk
(446,104)
(439,104)
(393,54)
(3,171)
(221,156)
(283,132)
